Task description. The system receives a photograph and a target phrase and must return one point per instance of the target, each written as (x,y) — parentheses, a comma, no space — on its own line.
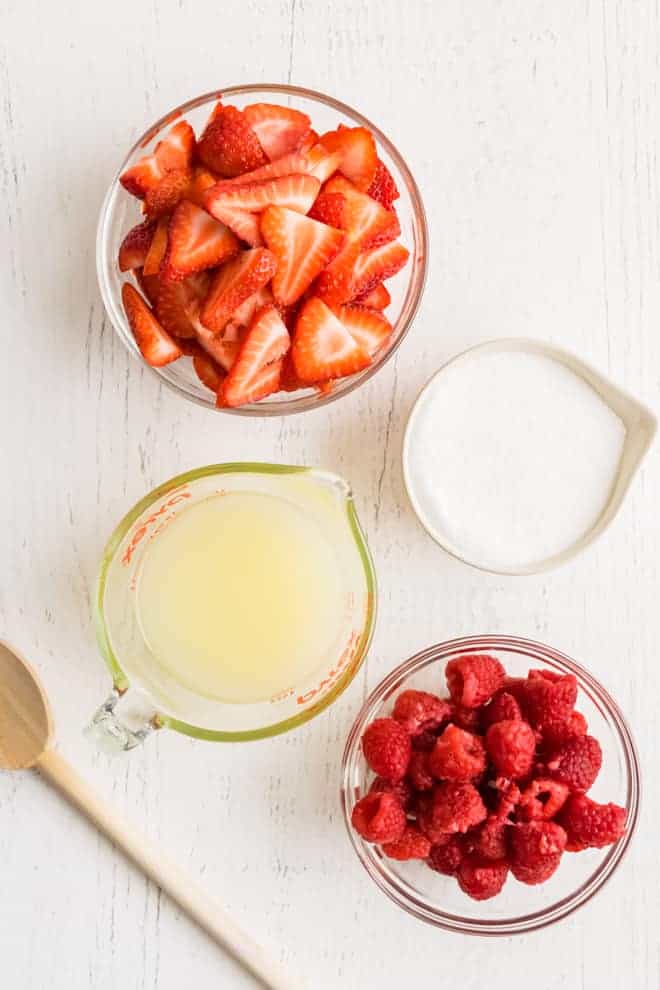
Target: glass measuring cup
(145,694)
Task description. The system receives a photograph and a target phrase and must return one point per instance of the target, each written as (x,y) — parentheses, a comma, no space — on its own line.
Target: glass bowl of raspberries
(263,249)
(490,785)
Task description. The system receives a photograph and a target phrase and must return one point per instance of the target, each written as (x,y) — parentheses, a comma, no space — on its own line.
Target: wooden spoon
(26,736)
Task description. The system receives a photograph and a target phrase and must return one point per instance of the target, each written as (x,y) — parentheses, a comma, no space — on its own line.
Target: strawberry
(157,248)
(303,247)
(368,327)
(376,298)
(150,285)
(291,164)
(196,241)
(175,298)
(171,189)
(295,192)
(377,264)
(362,218)
(289,381)
(201,181)
(267,340)
(308,142)
(279,130)
(321,162)
(335,284)
(323,347)
(383,187)
(228,145)
(222,347)
(358,150)
(135,246)
(208,372)
(156,346)
(174,152)
(265,382)
(245,225)
(233,283)
(243,314)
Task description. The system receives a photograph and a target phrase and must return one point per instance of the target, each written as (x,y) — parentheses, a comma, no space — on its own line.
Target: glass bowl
(120,212)
(437,899)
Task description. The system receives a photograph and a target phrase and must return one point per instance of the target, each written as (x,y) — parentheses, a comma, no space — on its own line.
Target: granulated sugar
(511,457)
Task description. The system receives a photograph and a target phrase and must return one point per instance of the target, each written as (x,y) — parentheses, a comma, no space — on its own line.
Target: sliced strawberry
(157,248)
(267,340)
(174,301)
(156,346)
(150,285)
(289,381)
(190,347)
(378,264)
(383,187)
(335,284)
(265,382)
(323,348)
(376,298)
(303,248)
(228,145)
(222,347)
(171,189)
(322,163)
(196,241)
(278,129)
(174,152)
(208,372)
(362,218)
(135,246)
(294,192)
(202,180)
(234,282)
(329,208)
(291,164)
(245,225)
(358,150)
(308,142)
(243,314)
(370,328)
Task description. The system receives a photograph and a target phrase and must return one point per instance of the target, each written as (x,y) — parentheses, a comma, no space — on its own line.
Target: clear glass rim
(403,894)
(120,680)
(419,258)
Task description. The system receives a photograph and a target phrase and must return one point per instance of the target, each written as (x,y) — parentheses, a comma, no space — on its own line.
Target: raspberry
(509,796)
(457,755)
(386,746)
(446,857)
(379,818)
(424,741)
(503,708)
(555,733)
(467,718)
(454,808)
(576,762)
(419,773)
(473,679)
(547,675)
(511,746)
(588,823)
(401,790)
(488,840)
(542,799)
(536,848)
(548,700)
(418,711)
(411,845)
(481,879)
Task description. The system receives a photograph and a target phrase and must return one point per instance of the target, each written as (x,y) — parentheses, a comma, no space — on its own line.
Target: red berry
(509,796)
(555,733)
(588,823)
(411,845)
(547,675)
(489,840)
(473,679)
(576,762)
(542,799)
(503,708)
(511,746)
(536,849)
(424,741)
(457,755)
(469,719)
(419,711)
(379,818)
(419,773)
(454,808)
(401,789)
(481,879)
(549,700)
(386,747)
(446,857)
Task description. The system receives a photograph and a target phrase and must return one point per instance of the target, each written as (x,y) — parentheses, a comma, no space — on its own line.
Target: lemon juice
(240,597)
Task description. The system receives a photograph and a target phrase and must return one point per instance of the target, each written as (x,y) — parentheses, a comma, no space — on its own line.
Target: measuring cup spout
(122,722)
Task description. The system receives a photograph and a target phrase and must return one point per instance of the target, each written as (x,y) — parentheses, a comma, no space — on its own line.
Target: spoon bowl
(26,726)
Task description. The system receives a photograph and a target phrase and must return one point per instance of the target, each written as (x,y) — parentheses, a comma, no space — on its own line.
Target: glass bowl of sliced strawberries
(263,249)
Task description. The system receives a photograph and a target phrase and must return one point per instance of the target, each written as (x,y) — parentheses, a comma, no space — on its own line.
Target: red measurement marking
(142,530)
(333,675)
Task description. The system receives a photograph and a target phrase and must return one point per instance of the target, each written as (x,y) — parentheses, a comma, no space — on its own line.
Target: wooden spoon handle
(181,888)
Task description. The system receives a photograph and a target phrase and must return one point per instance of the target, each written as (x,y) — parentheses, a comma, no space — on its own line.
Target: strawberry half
(322,163)
(266,341)
(335,284)
(376,298)
(243,314)
(368,327)
(279,130)
(362,218)
(173,153)
(245,225)
(175,299)
(302,247)
(228,145)
(164,196)
(383,187)
(157,248)
(156,346)
(150,285)
(135,246)
(208,372)
(378,264)
(294,192)
(234,283)
(323,348)
(263,383)
(291,164)
(196,241)
(222,347)
(359,158)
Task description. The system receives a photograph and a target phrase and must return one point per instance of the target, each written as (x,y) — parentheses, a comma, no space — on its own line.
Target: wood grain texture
(532,129)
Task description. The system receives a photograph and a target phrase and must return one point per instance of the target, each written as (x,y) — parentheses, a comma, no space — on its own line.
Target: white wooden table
(532,128)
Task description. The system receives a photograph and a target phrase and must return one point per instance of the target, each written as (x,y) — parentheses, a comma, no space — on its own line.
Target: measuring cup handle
(114,731)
